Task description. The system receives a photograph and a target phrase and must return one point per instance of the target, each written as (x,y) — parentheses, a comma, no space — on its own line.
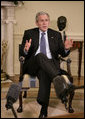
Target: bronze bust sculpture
(61,22)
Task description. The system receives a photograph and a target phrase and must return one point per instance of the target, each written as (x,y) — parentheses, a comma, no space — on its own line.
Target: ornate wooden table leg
(80,60)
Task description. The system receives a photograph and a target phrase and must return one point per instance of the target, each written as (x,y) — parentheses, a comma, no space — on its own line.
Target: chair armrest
(68,60)
(22,59)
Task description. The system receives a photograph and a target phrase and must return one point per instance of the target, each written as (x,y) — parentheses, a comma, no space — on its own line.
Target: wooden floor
(73,115)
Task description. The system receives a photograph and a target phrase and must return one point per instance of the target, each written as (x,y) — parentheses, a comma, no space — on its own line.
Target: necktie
(43,44)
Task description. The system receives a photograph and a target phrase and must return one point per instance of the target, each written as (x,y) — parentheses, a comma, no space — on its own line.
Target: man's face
(43,22)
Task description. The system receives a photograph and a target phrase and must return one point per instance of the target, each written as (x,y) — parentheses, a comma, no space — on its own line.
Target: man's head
(61,22)
(42,20)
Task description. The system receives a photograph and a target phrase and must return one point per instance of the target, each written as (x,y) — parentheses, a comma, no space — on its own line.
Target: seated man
(41,47)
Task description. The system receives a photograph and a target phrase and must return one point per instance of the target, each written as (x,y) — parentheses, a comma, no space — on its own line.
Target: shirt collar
(42,31)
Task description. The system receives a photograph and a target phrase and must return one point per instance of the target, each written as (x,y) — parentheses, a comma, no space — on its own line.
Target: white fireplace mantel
(7,23)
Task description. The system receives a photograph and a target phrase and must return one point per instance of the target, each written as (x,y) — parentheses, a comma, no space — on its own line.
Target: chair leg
(20,109)
(25,94)
(70,109)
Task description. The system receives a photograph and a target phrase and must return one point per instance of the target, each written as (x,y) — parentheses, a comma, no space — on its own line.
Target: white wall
(72,10)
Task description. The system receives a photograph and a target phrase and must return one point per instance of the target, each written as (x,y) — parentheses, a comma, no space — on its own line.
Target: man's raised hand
(68,43)
(27,45)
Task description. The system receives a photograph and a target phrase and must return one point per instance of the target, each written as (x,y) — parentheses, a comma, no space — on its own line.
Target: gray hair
(41,13)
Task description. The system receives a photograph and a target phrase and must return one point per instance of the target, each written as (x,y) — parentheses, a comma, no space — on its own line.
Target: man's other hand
(68,43)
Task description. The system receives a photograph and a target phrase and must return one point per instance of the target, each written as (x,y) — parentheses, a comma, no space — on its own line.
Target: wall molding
(72,36)
(6,3)
(77,37)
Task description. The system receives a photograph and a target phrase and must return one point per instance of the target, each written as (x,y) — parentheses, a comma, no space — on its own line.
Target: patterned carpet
(31,108)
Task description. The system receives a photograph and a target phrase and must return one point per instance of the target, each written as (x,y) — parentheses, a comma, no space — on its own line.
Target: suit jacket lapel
(36,39)
(50,39)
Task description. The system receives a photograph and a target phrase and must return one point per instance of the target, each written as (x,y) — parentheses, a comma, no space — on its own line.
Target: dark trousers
(45,69)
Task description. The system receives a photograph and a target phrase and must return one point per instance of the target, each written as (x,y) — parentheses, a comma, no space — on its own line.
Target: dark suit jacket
(55,43)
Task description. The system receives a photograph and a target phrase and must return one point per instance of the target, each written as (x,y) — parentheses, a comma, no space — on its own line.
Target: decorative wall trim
(72,36)
(6,3)
(77,37)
